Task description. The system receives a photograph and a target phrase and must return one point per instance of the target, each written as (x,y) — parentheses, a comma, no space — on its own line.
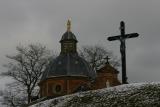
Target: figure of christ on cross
(122,39)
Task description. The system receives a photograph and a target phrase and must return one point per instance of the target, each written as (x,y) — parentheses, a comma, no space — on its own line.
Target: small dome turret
(68,35)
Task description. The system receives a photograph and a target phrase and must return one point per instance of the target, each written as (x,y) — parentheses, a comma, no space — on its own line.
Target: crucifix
(122,39)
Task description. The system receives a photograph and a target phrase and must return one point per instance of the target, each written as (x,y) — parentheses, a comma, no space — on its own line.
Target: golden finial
(69,25)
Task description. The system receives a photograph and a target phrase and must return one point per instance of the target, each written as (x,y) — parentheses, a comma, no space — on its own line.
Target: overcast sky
(44,21)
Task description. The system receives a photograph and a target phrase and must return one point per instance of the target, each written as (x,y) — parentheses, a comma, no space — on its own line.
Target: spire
(69,25)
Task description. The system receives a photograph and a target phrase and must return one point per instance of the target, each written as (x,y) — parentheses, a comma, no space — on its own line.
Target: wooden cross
(122,39)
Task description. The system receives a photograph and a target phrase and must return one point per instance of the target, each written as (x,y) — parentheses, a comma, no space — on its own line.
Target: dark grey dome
(68,35)
(69,65)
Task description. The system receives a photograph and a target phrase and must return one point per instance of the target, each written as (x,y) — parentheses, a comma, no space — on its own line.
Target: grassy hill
(129,95)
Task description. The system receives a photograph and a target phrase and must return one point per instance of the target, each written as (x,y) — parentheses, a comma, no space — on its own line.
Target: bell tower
(68,41)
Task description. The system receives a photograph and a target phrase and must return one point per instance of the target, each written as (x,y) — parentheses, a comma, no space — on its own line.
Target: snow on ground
(130,95)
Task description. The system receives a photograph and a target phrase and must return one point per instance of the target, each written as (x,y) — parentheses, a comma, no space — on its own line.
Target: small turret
(68,41)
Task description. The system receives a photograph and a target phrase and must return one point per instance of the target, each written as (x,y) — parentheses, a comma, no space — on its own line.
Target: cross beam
(122,39)
(132,35)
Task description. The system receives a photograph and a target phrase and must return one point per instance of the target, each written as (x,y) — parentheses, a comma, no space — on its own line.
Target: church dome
(69,65)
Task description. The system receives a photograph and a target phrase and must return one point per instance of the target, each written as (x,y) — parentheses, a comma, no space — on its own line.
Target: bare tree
(96,56)
(14,95)
(27,66)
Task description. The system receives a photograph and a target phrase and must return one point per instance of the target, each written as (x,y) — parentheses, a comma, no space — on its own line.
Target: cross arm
(132,35)
(114,38)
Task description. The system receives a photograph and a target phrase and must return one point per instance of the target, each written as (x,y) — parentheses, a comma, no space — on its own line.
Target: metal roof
(69,64)
(68,35)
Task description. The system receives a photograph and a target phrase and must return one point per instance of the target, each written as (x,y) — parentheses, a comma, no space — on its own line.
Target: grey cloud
(28,21)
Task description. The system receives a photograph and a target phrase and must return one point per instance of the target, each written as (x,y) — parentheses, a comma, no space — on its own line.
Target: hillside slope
(130,95)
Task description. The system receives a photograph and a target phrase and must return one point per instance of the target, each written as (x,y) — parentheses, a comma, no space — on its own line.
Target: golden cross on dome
(69,25)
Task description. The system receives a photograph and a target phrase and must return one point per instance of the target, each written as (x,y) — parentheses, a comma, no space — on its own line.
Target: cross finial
(107,58)
(69,25)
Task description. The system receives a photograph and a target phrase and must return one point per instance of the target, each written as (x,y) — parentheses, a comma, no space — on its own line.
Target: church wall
(104,79)
(59,86)
(52,87)
(67,85)
(74,84)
